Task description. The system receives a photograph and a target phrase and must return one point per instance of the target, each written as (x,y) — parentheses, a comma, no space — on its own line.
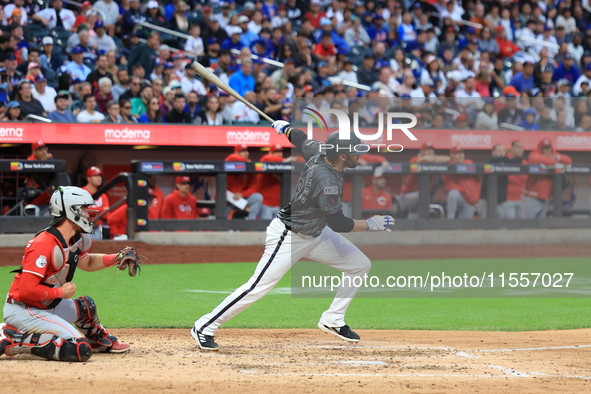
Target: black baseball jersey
(317,194)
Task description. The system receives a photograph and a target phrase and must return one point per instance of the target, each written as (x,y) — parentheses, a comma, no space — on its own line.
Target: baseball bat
(211,77)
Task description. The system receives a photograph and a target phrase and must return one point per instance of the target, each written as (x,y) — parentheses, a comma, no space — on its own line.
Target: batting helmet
(335,146)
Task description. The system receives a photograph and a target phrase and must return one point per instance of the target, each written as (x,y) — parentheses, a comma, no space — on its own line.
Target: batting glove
(380,223)
(281,126)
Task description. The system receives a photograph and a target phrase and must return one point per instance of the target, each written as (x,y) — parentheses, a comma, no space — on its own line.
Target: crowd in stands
(442,60)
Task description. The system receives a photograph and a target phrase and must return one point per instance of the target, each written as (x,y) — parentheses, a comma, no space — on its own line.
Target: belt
(305,235)
(10,300)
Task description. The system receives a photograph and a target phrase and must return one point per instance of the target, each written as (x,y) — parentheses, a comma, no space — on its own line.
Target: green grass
(158,298)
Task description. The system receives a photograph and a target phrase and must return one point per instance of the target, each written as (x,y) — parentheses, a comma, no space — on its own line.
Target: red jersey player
(39,310)
(94,180)
(269,185)
(374,197)
(180,204)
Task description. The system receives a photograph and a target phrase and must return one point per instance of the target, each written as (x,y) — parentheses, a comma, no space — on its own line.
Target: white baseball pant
(283,249)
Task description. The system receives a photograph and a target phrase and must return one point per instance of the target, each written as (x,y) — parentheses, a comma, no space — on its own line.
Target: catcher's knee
(86,309)
(71,349)
(75,350)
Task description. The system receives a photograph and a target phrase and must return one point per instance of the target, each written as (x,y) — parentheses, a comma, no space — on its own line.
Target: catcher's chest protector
(65,260)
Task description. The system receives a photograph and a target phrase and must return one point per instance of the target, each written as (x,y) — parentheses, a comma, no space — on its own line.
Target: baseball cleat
(117,347)
(205,342)
(344,332)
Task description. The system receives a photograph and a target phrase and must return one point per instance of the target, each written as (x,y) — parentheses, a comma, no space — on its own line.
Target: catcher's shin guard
(44,345)
(89,324)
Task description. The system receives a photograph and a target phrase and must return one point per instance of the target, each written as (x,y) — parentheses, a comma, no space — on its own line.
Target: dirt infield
(158,254)
(304,361)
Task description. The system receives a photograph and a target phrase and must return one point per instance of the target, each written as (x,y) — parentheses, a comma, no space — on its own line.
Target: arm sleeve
(297,137)
(339,222)
(32,290)
(564,159)
(539,158)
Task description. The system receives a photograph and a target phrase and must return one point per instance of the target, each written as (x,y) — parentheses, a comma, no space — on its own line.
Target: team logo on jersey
(41,261)
(331,190)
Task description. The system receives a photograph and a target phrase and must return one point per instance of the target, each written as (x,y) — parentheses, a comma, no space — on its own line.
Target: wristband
(109,260)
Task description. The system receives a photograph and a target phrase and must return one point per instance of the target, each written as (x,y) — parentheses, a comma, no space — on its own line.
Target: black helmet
(335,146)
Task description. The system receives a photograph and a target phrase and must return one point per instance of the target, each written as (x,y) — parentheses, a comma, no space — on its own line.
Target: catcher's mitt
(130,260)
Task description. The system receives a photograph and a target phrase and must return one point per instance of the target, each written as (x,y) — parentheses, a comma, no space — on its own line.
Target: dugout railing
(27,179)
(288,171)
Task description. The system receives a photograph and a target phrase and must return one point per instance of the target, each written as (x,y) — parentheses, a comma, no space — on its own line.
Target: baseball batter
(301,231)
(39,310)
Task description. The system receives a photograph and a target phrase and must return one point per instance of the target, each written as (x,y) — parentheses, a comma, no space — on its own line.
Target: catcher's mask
(69,202)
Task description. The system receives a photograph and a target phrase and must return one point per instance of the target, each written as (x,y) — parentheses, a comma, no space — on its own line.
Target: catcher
(39,310)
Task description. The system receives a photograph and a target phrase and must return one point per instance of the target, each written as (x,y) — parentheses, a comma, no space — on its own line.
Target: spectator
(269,185)
(374,196)
(110,14)
(9,9)
(366,74)
(585,78)
(567,70)
(32,57)
(34,70)
(189,82)
(14,76)
(181,204)
(242,113)
(326,50)
(314,15)
(409,194)
(82,90)
(487,118)
(13,112)
(125,111)
(103,94)
(168,102)
(47,58)
(506,46)
(52,17)
(194,45)
(113,113)
(122,84)
(62,114)
(585,124)
(463,190)
(89,115)
(102,41)
(179,21)
(88,52)
(177,113)
(28,104)
(139,104)
(538,189)
(192,107)
(243,81)
(528,121)
(44,94)
(282,75)
(545,121)
(132,17)
(524,80)
(146,54)
(157,87)
(134,89)
(510,114)
(210,115)
(76,68)
(233,42)
(153,113)
(244,185)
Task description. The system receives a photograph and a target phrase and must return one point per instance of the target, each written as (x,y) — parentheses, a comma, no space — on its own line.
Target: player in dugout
(180,204)
(375,196)
(538,188)
(269,185)
(244,185)
(118,217)
(463,190)
(94,180)
(409,194)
